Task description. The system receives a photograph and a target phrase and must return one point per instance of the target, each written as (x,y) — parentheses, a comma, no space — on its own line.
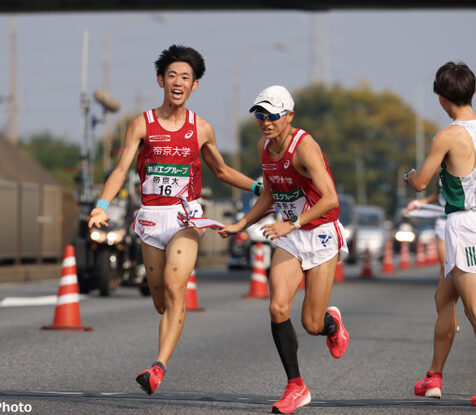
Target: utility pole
(320,71)
(12,122)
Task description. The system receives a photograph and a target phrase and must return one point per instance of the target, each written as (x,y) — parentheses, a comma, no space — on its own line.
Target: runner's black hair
(180,53)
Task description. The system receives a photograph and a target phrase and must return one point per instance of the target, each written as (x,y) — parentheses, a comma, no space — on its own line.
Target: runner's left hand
(273,231)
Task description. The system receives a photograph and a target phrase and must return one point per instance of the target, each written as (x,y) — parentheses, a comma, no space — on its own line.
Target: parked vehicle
(348,220)
(372,231)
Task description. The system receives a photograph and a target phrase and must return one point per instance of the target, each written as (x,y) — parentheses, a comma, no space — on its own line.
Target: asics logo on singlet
(189,134)
(286,165)
(159,138)
(325,239)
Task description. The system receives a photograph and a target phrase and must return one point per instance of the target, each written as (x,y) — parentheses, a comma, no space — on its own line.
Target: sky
(391,50)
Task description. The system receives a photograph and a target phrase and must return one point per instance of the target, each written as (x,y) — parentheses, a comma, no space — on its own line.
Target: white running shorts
(316,246)
(460,242)
(156,225)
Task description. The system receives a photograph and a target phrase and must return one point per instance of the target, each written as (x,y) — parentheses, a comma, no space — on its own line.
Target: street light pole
(12,122)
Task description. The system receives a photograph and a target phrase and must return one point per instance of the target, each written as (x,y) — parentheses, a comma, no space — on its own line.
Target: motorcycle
(102,253)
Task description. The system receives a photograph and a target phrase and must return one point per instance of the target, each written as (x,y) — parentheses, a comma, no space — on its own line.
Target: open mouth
(177,93)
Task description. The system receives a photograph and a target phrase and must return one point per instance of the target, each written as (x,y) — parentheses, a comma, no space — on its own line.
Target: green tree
(56,154)
(353,125)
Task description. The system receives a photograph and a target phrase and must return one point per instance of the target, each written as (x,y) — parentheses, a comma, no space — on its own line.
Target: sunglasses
(272,117)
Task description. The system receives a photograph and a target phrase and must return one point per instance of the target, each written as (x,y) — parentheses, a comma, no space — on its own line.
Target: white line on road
(31,301)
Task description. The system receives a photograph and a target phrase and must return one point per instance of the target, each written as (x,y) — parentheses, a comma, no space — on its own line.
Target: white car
(371,233)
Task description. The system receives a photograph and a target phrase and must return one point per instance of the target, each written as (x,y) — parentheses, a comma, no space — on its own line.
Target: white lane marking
(58,392)
(32,301)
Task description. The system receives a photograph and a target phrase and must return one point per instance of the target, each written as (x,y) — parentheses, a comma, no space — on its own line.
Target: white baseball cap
(274,99)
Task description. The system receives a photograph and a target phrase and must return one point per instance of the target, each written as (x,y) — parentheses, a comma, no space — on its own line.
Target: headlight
(405,236)
(97,235)
(115,237)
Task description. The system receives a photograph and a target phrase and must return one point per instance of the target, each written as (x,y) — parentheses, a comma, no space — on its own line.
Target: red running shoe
(337,342)
(473,400)
(150,379)
(430,386)
(294,397)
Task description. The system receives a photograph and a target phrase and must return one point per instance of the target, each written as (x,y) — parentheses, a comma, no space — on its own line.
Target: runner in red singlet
(310,238)
(169,168)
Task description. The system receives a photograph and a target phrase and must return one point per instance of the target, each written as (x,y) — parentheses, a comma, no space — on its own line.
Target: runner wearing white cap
(309,239)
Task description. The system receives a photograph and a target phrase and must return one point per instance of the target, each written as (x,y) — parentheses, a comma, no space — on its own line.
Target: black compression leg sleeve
(330,326)
(286,342)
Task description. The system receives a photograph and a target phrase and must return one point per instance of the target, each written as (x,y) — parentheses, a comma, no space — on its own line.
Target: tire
(144,289)
(83,284)
(107,280)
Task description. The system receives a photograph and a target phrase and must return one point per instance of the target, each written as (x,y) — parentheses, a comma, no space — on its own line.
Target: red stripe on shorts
(339,236)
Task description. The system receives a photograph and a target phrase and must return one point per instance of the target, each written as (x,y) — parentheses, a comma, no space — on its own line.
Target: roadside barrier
(191,300)
(67,316)
(388,266)
(259,276)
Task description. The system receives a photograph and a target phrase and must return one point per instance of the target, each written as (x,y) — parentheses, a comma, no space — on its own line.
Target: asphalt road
(226,362)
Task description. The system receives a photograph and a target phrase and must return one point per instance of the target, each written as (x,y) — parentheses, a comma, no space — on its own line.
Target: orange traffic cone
(339,275)
(67,316)
(420,254)
(387,263)
(303,282)
(259,277)
(367,265)
(404,256)
(432,252)
(191,302)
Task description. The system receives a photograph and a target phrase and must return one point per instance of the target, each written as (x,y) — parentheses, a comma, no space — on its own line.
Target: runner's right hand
(229,230)
(98,217)
(412,205)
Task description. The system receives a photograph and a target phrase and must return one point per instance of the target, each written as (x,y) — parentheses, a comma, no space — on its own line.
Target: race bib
(166,179)
(290,203)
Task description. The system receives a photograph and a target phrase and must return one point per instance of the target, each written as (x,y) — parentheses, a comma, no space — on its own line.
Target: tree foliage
(56,154)
(353,124)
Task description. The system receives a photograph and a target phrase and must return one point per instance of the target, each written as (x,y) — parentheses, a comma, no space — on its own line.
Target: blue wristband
(256,188)
(104,204)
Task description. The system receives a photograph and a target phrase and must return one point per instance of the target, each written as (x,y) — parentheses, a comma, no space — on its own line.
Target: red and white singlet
(293,192)
(169,163)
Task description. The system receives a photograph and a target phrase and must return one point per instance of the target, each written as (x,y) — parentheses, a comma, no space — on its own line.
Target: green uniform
(460,196)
